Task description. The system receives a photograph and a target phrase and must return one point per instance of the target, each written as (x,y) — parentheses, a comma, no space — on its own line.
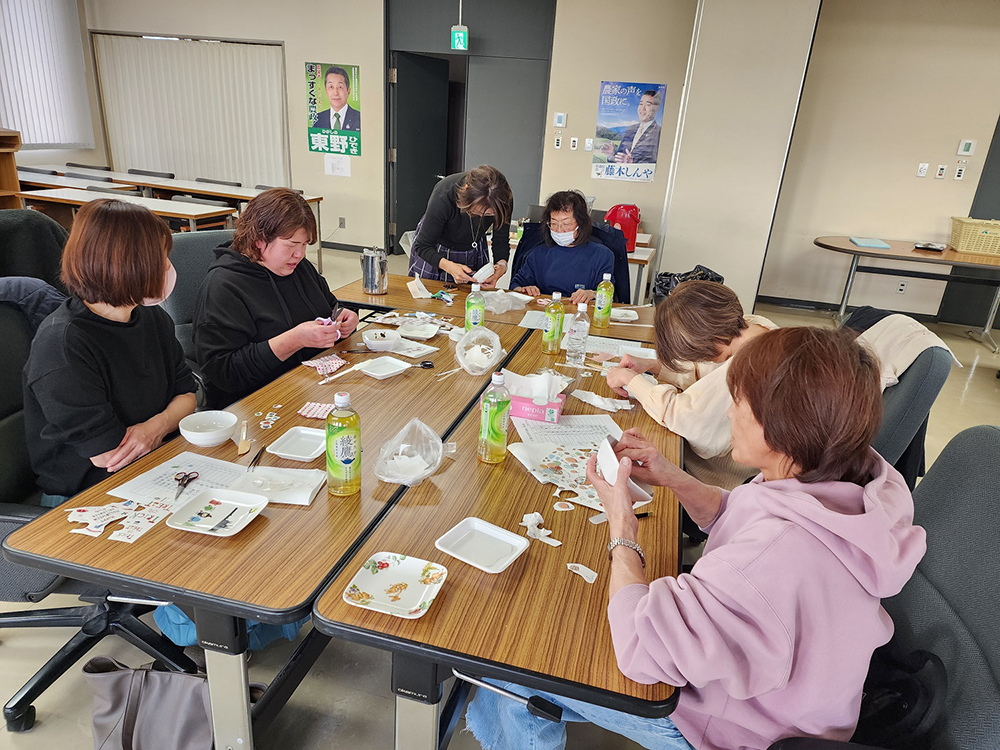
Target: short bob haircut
(486,187)
(278,212)
(695,322)
(568,200)
(816,394)
(116,253)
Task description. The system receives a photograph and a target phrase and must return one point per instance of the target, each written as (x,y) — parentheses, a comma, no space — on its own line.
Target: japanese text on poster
(629,119)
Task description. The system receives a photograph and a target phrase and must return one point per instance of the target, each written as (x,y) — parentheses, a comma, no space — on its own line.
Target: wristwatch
(626,543)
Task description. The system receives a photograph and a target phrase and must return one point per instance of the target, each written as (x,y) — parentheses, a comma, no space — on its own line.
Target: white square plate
(482,545)
(419,331)
(384,367)
(217,512)
(396,585)
(299,444)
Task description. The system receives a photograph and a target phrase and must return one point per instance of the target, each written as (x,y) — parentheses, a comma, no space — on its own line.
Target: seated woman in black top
(106,379)
(570,261)
(257,310)
(450,244)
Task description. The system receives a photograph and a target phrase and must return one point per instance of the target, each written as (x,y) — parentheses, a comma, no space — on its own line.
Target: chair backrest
(535,213)
(202,201)
(17,481)
(192,255)
(950,604)
(271,187)
(37,170)
(92,178)
(112,191)
(218,182)
(149,173)
(31,244)
(101,167)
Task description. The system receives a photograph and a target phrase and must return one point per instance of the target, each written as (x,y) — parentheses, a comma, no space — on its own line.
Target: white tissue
(407,466)
(543,387)
(601,402)
(533,522)
(417,289)
(479,355)
(583,571)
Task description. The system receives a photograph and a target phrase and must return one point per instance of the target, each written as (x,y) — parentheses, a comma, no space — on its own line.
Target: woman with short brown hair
(263,308)
(106,380)
(450,242)
(698,328)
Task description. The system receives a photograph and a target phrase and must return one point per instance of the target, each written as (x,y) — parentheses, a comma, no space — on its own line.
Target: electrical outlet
(901,288)
(942,170)
(574,142)
(343,223)
(959,173)
(588,144)
(558,142)
(922,168)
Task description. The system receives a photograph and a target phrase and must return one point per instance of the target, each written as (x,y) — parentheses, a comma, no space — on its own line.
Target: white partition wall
(745,75)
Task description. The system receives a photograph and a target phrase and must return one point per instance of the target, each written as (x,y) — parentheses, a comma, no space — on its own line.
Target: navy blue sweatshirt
(553,268)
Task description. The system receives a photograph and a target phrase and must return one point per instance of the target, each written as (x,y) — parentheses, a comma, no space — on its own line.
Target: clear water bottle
(475,308)
(579,329)
(493,418)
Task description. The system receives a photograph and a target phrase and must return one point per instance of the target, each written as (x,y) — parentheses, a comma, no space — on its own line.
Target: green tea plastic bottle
(343,447)
(494,415)
(602,303)
(552,333)
(475,308)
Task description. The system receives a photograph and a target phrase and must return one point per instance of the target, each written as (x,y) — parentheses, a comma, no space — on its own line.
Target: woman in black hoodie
(259,305)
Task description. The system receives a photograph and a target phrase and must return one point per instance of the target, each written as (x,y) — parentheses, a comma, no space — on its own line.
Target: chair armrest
(17,514)
(810,743)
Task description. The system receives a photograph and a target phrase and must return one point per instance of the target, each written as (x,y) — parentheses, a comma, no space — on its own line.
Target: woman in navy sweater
(569,261)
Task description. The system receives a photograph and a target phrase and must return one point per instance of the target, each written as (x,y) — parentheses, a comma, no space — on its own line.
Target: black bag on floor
(665,282)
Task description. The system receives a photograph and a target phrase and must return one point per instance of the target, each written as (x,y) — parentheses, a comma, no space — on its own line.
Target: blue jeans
(500,723)
(51,501)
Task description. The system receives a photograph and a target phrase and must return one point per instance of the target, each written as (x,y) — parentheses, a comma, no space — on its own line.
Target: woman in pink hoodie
(771,633)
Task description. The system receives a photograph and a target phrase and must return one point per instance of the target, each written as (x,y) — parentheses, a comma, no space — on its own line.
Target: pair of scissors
(183,479)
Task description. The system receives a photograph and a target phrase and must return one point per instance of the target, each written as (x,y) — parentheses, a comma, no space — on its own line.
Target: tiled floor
(345,700)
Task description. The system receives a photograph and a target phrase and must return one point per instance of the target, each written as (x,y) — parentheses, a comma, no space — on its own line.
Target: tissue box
(526,408)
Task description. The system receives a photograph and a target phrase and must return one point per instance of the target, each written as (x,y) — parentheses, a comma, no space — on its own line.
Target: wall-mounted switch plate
(573,143)
(922,168)
(942,170)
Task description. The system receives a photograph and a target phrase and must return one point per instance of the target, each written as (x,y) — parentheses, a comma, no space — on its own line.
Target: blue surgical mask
(565,239)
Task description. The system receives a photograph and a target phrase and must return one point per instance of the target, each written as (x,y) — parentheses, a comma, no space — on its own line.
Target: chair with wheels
(105,614)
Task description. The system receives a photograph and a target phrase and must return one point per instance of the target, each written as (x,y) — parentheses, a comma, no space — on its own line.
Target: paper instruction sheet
(574,430)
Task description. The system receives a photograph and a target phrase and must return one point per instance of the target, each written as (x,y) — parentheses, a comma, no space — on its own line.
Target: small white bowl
(206,429)
(381,339)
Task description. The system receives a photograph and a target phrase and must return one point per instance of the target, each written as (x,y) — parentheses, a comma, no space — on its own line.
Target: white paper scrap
(417,289)
(601,402)
(533,319)
(562,505)
(533,523)
(337,165)
(583,571)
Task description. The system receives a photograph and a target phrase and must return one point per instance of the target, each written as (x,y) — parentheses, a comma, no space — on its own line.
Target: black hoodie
(241,305)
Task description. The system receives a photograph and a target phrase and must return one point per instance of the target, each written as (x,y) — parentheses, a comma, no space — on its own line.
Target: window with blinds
(43,85)
(194,107)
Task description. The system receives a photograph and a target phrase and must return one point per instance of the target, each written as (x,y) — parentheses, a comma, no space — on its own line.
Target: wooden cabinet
(10,141)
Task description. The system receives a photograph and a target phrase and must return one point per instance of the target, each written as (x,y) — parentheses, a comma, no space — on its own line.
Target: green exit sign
(460,37)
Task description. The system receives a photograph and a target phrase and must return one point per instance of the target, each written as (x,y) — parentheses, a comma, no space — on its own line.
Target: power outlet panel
(343,223)
(942,170)
(922,168)
(588,144)
(558,141)
(901,287)
(574,142)
(959,173)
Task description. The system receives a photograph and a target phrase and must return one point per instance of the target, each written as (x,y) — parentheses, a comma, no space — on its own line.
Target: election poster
(629,120)
(333,108)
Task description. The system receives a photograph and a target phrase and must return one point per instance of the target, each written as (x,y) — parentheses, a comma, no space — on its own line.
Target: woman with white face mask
(569,261)
(106,380)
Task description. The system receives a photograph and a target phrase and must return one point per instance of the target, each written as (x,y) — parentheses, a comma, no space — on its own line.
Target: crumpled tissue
(533,522)
(417,289)
(541,387)
(500,301)
(478,351)
(602,402)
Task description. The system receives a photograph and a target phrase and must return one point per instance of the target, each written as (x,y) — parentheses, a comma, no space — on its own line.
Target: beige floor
(345,700)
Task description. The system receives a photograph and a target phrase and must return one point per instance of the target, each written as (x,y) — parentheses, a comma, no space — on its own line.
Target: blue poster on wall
(629,120)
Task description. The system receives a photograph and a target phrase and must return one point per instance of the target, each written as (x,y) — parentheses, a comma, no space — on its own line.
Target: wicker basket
(976,236)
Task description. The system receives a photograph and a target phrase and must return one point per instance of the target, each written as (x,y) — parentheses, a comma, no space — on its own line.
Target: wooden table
(535,623)
(399,297)
(274,569)
(71,199)
(902,250)
(33,179)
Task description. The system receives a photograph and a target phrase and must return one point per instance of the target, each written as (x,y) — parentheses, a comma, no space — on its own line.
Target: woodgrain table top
(173,209)
(398,297)
(273,569)
(903,250)
(535,616)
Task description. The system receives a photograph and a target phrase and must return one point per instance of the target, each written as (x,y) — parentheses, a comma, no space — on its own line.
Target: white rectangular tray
(299,444)
(384,367)
(482,545)
(217,512)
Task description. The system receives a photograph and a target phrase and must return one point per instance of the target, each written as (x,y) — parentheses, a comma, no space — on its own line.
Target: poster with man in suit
(333,108)
(625,149)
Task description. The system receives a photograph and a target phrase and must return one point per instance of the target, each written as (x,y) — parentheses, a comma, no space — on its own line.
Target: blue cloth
(500,723)
(553,268)
(52,501)
(180,629)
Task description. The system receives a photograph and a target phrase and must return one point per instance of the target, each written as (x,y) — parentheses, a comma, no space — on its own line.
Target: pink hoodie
(771,633)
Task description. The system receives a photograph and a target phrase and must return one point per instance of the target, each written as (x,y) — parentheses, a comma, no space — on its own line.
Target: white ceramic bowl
(206,429)
(381,339)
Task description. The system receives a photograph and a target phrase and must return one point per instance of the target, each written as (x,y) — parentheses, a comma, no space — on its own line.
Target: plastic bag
(411,455)
(499,302)
(666,282)
(479,351)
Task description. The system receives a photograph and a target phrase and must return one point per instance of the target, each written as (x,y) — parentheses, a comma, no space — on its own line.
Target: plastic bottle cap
(498,378)
(475,287)
(556,296)
(607,277)
(581,307)
(342,399)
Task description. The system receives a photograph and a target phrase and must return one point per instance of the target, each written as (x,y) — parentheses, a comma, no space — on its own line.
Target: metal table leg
(192,225)
(847,288)
(224,639)
(985,335)
(417,686)
(636,295)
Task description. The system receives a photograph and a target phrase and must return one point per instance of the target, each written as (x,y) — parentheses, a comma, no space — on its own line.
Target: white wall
(890,84)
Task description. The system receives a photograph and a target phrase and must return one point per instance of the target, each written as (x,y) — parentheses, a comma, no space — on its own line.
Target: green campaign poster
(333,104)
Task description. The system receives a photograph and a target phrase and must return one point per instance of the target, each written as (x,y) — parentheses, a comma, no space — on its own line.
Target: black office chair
(92,178)
(150,173)
(218,182)
(950,605)
(271,187)
(112,191)
(37,170)
(101,167)
(31,244)
(105,614)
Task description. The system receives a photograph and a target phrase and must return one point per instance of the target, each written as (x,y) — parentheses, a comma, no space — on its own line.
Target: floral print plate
(396,584)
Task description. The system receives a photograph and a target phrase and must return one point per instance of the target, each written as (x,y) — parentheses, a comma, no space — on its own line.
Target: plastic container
(343,447)
(482,545)
(579,330)
(552,333)
(602,302)
(475,308)
(381,339)
(299,444)
(493,421)
(976,236)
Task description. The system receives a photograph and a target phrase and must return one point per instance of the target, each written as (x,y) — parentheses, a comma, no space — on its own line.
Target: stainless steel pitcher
(375,271)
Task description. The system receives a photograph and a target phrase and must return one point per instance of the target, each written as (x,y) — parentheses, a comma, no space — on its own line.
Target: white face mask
(169,280)
(565,239)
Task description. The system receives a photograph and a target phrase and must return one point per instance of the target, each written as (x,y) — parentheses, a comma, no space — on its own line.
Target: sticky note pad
(870,242)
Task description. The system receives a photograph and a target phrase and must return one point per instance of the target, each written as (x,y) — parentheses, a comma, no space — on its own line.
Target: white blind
(195,108)
(43,85)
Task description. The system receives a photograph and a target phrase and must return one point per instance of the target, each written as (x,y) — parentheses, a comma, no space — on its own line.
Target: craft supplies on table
(614,347)
(396,585)
(326,365)
(282,486)
(537,396)
(217,512)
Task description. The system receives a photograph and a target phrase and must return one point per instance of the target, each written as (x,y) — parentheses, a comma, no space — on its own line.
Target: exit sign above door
(460,38)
